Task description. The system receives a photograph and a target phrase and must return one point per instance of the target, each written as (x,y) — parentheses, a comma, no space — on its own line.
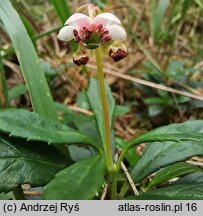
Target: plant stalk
(111,171)
(106,119)
(3,87)
(124,189)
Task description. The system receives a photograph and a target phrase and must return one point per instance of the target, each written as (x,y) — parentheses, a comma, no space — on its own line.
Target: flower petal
(66,33)
(105,19)
(78,20)
(116,32)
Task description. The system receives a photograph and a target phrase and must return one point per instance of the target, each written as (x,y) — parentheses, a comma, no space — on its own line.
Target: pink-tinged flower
(90,33)
(104,27)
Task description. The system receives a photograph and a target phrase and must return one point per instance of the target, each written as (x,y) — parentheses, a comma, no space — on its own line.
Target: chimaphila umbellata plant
(93,170)
(92,32)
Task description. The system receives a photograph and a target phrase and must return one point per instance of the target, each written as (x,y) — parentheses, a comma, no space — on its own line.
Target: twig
(151,84)
(195,163)
(104,192)
(129,179)
(77,109)
(32,193)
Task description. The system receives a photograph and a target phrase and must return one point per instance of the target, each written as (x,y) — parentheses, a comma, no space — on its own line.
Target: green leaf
(121,110)
(81,181)
(40,95)
(23,162)
(191,178)
(88,126)
(157,15)
(173,171)
(25,124)
(62,9)
(82,101)
(199,2)
(170,144)
(100,3)
(175,192)
(156,101)
(131,156)
(154,110)
(6,196)
(187,131)
(30,29)
(66,115)
(79,152)
(94,97)
(16,91)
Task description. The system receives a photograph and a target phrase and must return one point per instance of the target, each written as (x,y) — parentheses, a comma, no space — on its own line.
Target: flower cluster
(90,33)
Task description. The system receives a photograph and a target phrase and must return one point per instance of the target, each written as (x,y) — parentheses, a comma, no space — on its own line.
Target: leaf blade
(175,192)
(22,163)
(94,97)
(29,125)
(173,171)
(81,180)
(166,143)
(40,94)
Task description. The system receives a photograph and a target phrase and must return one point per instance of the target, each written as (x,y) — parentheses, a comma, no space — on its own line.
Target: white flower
(81,28)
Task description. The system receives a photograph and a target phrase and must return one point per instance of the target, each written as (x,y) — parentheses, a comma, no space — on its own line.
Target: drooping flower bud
(118,51)
(81,56)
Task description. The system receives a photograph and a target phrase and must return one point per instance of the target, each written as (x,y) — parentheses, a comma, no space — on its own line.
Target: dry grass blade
(129,179)
(150,84)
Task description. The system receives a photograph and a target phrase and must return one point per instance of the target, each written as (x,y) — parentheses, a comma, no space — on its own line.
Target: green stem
(113,184)
(3,87)
(124,189)
(106,119)
(37,37)
(18,193)
(111,171)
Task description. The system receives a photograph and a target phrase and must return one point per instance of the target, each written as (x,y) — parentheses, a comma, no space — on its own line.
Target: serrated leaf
(175,192)
(81,181)
(173,171)
(22,162)
(177,142)
(29,125)
(189,130)
(158,155)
